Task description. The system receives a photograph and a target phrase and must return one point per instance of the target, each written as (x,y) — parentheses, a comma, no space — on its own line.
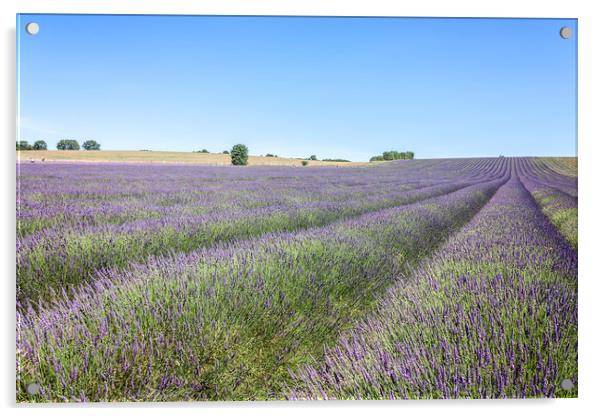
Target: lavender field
(442,278)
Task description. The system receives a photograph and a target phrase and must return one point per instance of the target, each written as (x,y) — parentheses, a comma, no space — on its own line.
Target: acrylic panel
(295,208)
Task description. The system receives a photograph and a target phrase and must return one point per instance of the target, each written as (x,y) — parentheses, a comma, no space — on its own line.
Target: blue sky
(334,87)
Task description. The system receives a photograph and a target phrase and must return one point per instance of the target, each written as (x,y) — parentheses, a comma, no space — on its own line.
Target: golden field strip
(133,156)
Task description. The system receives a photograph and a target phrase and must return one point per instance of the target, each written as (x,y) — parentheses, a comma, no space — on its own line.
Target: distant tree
(388,155)
(66,144)
(23,145)
(239,155)
(336,160)
(270,155)
(204,151)
(91,145)
(40,145)
(304,162)
(226,152)
(393,155)
(313,157)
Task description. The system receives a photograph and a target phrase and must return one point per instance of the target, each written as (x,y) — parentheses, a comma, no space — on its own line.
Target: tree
(91,145)
(304,162)
(239,155)
(66,144)
(23,145)
(393,155)
(313,157)
(388,155)
(226,152)
(40,145)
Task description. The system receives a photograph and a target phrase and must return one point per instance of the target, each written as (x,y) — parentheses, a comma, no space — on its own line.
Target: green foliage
(91,145)
(335,160)
(313,157)
(304,162)
(226,152)
(389,155)
(66,144)
(270,155)
(393,155)
(40,145)
(239,155)
(23,145)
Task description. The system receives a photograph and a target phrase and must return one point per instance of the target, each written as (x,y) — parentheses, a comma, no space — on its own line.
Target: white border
(590,286)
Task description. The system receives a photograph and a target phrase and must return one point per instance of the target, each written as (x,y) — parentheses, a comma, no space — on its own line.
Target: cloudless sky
(296,86)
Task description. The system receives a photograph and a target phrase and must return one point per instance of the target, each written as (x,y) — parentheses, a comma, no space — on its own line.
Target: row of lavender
(493,314)
(75,195)
(60,257)
(555,193)
(231,321)
(567,166)
(547,170)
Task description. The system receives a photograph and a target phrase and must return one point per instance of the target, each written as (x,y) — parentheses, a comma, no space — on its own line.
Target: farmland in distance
(160,157)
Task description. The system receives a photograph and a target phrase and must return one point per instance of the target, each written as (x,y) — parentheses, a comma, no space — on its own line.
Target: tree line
(64,144)
(393,155)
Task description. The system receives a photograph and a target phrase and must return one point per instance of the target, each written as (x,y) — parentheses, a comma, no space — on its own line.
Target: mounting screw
(567,384)
(566,32)
(32,28)
(33,388)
